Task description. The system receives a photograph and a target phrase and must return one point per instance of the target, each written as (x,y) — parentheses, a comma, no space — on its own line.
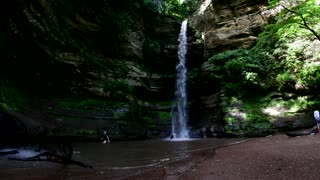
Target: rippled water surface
(142,153)
(118,155)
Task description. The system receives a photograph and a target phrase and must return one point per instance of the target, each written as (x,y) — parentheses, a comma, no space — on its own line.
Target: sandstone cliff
(82,63)
(222,26)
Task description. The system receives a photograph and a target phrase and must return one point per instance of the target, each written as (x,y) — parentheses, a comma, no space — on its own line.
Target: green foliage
(285,59)
(273,3)
(243,71)
(246,118)
(139,114)
(173,8)
(85,132)
(135,120)
(150,48)
(199,40)
(278,61)
(117,88)
(164,117)
(11,97)
(228,55)
(293,104)
(161,7)
(165,103)
(156,6)
(122,20)
(189,6)
(167,7)
(193,75)
(119,115)
(293,42)
(301,20)
(87,104)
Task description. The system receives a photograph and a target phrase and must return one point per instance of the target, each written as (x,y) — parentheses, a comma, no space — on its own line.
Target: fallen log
(52,157)
(302,132)
(4,153)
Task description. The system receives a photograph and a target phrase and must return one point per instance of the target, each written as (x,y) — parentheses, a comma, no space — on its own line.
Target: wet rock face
(223,25)
(229,25)
(69,44)
(76,47)
(85,40)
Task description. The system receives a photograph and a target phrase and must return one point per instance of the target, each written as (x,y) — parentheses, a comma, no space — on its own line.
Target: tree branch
(304,22)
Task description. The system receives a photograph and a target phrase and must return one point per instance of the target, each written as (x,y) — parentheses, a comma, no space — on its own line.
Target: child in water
(173,135)
(105,137)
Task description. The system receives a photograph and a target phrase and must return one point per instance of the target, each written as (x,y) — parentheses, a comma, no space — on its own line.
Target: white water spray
(179,113)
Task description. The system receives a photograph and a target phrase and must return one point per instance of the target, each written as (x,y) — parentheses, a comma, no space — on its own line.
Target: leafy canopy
(302,19)
(286,59)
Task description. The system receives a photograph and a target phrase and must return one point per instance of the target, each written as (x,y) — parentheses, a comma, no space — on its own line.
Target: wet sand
(273,157)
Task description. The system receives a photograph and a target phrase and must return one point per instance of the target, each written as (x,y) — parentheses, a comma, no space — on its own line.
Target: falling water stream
(179,114)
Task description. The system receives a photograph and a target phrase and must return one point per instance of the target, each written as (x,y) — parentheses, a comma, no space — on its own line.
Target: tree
(306,14)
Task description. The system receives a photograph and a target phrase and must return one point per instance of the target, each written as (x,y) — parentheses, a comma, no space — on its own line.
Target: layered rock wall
(86,50)
(222,26)
(229,25)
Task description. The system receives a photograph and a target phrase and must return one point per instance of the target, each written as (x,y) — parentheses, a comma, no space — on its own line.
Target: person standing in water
(105,137)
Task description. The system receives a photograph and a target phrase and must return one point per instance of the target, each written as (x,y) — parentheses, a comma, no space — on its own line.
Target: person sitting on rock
(105,137)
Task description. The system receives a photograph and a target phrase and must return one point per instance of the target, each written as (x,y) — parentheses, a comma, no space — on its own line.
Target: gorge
(76,68)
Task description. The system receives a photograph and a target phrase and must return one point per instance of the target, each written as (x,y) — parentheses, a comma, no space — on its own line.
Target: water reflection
(142,153)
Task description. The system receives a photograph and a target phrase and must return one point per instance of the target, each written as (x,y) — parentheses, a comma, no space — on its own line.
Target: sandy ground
(274,157)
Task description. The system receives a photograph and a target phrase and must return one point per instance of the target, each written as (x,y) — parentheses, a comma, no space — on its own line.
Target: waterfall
(179,113)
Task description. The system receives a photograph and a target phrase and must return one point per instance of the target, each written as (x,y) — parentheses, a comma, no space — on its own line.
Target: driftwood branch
(4,153)
(52,157)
